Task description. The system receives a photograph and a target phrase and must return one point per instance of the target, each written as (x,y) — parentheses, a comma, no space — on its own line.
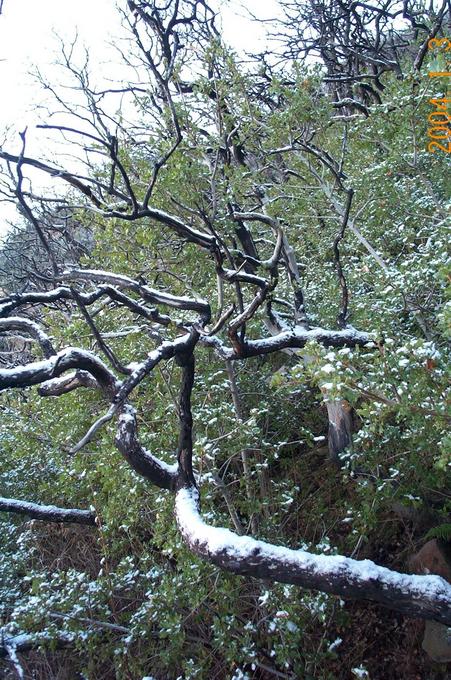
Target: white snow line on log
(220,541)
(46,512)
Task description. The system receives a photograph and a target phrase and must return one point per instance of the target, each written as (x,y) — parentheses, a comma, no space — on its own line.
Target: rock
(435,558)
(437,641)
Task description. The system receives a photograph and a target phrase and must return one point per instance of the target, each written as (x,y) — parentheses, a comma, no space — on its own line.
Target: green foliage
(442,532)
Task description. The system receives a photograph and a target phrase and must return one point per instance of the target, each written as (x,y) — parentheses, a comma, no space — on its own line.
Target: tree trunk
(339,413)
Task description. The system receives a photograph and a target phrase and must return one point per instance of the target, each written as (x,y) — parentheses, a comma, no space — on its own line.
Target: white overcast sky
(29,39)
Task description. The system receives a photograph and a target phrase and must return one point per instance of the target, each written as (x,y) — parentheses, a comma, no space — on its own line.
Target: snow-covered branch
(67,383)
(160,473)
(48,513)
(12,302)
(295,338)
(146,464)
(9,304)
(147,293)
(193,235)
(41,371)
(26,642)
(165,351)
(18,323)
(427,597)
